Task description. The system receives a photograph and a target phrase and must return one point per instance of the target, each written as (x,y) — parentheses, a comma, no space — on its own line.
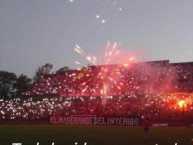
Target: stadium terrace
(158,91)
(135,78)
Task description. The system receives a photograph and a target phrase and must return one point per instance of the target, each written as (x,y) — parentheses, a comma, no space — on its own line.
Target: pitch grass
(93,135)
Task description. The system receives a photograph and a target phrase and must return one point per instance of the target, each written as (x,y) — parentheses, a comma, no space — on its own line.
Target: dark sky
(33,32)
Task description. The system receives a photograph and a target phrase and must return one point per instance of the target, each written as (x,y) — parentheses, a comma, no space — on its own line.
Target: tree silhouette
(43,70)
(7,84)
(22,84)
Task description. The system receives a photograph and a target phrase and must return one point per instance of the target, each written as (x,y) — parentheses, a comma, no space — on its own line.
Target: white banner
(93,120)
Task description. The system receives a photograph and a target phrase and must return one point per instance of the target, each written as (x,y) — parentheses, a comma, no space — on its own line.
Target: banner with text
(93,120)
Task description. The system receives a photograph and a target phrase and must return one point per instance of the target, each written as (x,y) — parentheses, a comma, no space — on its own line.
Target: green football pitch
(93,135)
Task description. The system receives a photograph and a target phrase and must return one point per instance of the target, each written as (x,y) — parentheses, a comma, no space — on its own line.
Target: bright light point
(131,59)
(77,62)
(83,83)
(103,21)
(119,9)
(94,58)
(77,50)
(88,58)
(115,44)
(77,46)
(121,84)
(84,90)
(117,52)
(125,65)
(71,1)
(182,104)
(97,16)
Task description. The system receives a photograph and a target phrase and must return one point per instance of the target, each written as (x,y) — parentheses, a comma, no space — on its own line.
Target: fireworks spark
(78,49)
(119,9)
(112,78)
(103,21)
(97,16)
(116,6)
(71,1)
(77,62)
(182,104)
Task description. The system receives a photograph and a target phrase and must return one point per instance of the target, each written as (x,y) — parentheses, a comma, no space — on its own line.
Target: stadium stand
(158,91)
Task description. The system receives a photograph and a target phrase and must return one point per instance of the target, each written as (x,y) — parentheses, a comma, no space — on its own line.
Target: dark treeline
(12,85)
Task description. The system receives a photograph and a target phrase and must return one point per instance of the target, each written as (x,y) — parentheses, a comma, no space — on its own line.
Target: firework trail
(110,75)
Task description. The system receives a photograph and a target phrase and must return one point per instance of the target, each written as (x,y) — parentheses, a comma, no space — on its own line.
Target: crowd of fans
(152,77)
(146,90)
(154,107)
